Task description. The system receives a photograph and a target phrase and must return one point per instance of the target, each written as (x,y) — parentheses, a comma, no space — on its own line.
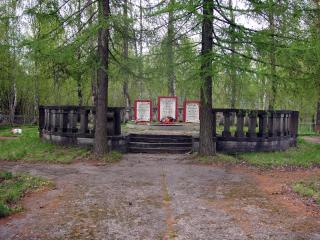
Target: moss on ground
(308,188)
(13,187)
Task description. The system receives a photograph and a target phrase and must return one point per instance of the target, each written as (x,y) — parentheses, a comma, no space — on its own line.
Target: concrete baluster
(54,122)
(50,120)
(84,119)
(73,119)
(240,124)
(263,124)
(278,124)
(214,134)
(281,125)
(252,125)
(42,118)
(272,124)
(226,132)
(117,122)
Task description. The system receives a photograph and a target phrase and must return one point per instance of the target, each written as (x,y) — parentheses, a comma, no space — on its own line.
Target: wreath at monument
(168,120)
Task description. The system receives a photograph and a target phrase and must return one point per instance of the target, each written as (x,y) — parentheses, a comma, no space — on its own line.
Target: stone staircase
(147,143)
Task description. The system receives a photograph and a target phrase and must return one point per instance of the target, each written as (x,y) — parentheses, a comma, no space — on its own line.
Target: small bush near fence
(307,129)
(18,119)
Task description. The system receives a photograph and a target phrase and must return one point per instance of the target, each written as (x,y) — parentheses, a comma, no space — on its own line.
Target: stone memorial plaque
(143,110)
(191,111)
(167,107)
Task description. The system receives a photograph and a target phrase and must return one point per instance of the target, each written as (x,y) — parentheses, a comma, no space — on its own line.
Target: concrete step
(160,138)
(175,150)
(159,135)
(160,144)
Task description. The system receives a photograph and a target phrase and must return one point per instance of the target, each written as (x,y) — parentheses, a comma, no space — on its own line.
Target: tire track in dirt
(166,200)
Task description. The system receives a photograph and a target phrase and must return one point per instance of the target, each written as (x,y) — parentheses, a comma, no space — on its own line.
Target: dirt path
(8,138)
(312,139)
(154,197)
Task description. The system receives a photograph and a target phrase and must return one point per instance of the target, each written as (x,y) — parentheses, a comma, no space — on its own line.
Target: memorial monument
(143,110)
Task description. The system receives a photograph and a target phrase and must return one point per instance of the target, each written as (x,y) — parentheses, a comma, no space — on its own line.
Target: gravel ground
(152,197)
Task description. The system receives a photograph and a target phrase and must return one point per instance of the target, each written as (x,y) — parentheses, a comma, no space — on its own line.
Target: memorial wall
(167,110)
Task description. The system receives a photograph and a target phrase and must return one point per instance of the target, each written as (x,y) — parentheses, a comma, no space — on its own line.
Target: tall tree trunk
(125,86)
(79,74)
(318,117)
(233,73)
(272,56)
(317,23)
(93,42)
(100,138)
(207,146)
(170,51)
(79,90)
(10,39)
(36,97)
(140,70)
(13,101)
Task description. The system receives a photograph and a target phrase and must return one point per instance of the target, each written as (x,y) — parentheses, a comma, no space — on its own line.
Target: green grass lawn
(305,155)
(13,187)
(308,188)
(29,147)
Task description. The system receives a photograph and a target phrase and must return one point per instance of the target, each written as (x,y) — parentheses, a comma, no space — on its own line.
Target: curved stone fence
(254,130)
(259,123)
(235,130)
(74,120)
(74,125)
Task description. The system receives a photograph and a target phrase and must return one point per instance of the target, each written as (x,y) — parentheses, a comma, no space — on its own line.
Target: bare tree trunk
(94,69)
(100,138)
(233,74)
(140,52)
(125,86)
(79,90)
(207,146)
(13,102)
(233,70)
(170,51)
(36,92)
(318,117)
(79,74)
(94,88)
(10,35)
(317,23)
(272,56)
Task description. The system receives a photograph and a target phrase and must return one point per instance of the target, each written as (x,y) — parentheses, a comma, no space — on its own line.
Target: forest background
(266,53)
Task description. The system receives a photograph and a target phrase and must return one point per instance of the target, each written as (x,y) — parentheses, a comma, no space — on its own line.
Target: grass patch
(308,189)
(307,130)
(5,131)
(218,158)
(13,187)
(111,157)
(304,155)
(29,147)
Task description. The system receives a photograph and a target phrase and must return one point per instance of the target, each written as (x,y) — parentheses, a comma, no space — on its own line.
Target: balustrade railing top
(76,120)
(259,123)
(237,123)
